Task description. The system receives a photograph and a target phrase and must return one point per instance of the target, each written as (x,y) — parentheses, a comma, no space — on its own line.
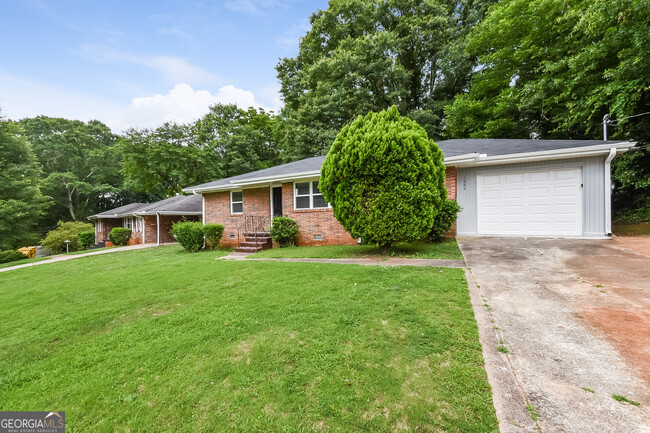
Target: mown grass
(448,249)
(163,340)
(22,262)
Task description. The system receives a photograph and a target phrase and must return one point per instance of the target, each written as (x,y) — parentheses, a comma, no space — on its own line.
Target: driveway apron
(571,321)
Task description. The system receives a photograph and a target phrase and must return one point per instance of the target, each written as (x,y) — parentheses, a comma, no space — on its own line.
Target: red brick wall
(450,184)
(312,222)
(107,224)
(150,228)
(257,201)
(166,222)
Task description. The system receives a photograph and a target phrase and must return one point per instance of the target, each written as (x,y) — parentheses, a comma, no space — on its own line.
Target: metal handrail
(255,224)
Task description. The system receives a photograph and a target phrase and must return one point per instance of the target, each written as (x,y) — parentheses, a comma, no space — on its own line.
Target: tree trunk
(71,205)
(384,249)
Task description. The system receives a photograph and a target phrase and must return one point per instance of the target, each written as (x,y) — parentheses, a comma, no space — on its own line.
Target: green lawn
(448,249)
(163,340)
(22,262)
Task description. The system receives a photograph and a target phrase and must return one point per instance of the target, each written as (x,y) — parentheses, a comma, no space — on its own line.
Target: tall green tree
(367,55)
(80,165)
(244,140)
(555,69)
(166,159)
(21,200)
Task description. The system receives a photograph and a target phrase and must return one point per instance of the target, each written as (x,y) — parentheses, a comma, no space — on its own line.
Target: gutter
(608,191)
(576,152)
(157,229)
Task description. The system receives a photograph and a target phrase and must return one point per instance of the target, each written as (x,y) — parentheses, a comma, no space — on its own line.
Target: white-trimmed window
(236,202)
(139,224)
(306,195)
(127,223)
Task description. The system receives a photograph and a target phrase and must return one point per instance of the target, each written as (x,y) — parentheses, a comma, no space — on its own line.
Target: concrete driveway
(574,318)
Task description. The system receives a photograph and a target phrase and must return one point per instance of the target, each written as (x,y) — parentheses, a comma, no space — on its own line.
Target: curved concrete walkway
(64,257)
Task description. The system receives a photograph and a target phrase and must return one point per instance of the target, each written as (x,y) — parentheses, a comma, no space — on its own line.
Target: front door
(277,201)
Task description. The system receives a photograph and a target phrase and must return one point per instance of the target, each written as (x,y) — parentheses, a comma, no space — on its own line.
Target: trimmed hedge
(119,236)
(213,233)
(86,239)
(189,234)
(444,220)
(11,256)
(284,231)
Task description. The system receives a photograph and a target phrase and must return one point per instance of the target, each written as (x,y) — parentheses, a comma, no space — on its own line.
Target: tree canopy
(21,200)
(367,55)
(80,165)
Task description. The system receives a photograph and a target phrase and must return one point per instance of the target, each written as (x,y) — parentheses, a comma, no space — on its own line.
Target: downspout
(157,229)
(608,191)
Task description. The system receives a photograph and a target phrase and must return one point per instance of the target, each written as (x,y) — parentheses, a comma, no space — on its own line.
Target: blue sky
(140,63)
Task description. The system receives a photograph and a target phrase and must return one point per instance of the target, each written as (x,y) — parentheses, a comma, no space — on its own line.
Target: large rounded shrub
(86,239)
(189,234)
(119,236)
(384,178)
(444,220)
(213,233)
(65,231)
(284,231)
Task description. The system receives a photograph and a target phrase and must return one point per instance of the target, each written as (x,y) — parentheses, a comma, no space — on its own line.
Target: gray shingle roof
(180,204)
(506,146)
(302,166)
(450,148)
(121,211)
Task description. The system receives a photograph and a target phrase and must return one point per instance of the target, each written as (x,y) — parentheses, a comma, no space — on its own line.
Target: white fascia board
(240,184)
(168,213)
(576,152)
(266,179)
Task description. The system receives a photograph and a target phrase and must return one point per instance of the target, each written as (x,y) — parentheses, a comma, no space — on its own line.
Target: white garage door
(542,203)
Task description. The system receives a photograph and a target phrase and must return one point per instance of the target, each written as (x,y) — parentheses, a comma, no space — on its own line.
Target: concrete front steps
(253,244)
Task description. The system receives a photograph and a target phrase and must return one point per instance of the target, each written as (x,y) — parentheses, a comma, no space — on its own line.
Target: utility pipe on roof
(608,191)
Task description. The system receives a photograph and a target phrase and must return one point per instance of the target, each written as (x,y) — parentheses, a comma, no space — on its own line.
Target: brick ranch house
(506,187)
(150,223)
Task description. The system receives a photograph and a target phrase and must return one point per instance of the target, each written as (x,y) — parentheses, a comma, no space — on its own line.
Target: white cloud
(173,69)
(182,104)
(253,7)
(20,98)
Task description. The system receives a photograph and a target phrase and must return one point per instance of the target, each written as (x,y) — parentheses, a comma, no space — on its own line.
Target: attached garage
(533,187)
(537,202)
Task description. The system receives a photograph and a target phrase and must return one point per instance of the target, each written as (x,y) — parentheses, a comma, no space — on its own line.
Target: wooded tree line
(480,69)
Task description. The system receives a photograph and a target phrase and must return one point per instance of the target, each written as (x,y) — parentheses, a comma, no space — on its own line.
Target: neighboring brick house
(510,187)
(150,223)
